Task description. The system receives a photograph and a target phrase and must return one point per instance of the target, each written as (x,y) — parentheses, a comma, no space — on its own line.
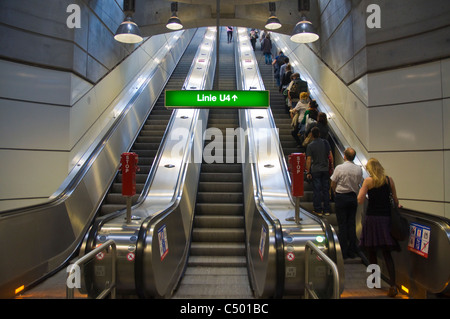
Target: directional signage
(216,99)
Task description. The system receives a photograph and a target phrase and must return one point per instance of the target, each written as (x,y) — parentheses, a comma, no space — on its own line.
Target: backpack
(298,87)
(280,60)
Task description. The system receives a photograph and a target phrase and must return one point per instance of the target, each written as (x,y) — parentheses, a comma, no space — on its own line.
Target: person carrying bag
(399,224)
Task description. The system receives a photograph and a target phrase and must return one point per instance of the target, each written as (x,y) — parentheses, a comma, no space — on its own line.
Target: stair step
(218,221)
(219,208)
(217,249)
(220,197)
(220,177)
(217,261)
(218,235)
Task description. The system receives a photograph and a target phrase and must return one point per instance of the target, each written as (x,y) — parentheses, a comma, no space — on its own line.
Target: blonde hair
(376,171)
(304,95)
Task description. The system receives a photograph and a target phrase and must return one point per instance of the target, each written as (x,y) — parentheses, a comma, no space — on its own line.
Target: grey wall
(412,32)
(37,34)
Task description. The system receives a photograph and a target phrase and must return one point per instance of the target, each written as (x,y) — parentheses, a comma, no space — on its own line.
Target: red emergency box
(297,168)
(129,168)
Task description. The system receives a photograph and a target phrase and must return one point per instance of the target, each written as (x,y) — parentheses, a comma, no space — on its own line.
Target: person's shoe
(392,292)
(317,213)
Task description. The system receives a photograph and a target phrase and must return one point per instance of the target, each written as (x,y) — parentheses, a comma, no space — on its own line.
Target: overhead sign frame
(228,99)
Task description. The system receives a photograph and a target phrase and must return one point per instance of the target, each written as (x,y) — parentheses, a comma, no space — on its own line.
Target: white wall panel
(415,83)
(446,122)
(28,83)
(359,88)
(25,125)
(417,175)
(445,70)
(434,208)
(405,127)
(447,179)
(30,173)
(79,87)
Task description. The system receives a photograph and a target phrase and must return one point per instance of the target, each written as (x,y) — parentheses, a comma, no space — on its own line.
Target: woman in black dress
(375,234)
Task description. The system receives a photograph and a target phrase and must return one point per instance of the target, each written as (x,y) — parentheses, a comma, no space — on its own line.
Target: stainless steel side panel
(424,273)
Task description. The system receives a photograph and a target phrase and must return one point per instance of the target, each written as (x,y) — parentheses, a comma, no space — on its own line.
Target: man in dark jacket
(318,153)
(267,48)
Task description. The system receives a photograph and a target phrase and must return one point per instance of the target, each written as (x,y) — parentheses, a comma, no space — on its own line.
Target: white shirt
(348,177)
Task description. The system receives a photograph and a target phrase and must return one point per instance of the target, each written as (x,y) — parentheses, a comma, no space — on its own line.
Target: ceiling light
(272,23)
(174,22)
(128,32)
(304,32)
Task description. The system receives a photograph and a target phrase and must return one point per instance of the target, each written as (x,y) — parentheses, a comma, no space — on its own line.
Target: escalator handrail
(258,194)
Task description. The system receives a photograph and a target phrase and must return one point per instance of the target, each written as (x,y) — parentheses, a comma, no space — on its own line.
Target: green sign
(216,99)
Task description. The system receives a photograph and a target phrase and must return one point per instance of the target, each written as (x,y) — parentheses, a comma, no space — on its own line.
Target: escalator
(146,146)
(149,138)
(217,266)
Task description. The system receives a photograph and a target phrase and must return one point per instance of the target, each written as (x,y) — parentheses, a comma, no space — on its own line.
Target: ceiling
(152,15)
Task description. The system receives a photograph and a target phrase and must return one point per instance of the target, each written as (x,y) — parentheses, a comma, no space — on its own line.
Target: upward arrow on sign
(234,98)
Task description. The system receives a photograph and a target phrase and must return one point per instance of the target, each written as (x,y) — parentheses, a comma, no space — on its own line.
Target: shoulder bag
(399,224)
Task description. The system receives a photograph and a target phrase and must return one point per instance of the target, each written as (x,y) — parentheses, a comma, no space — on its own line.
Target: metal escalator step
(219,208)
(220,286)
(217,261)
(145,153)
(219,197)
(218,235)
(218,221)
(145,146)
(220,187)
(149,139)
(217,249)
(222,168)
(222,177)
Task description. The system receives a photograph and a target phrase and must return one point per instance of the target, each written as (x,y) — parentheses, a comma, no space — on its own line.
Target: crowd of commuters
(345,183)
